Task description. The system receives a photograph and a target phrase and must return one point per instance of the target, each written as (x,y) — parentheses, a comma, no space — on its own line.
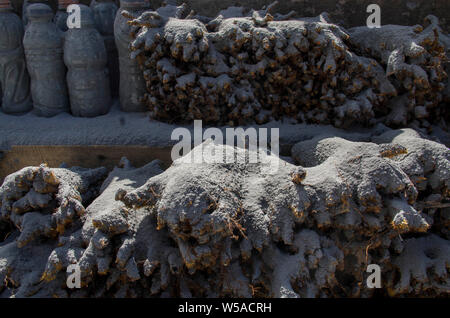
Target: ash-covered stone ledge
(28,140)
(120,128)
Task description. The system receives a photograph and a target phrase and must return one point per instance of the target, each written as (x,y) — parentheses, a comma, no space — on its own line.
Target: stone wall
(347,12)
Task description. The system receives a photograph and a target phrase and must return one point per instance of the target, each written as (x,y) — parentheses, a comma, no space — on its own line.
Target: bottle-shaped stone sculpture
(104,15)
(132,82)
(43,46)
(61,15)
(87,76)
(14,79)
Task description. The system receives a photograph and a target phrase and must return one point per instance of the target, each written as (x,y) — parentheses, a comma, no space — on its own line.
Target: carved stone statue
(87,77)
(132,83)
(104,15)
(43,45)
(14,79)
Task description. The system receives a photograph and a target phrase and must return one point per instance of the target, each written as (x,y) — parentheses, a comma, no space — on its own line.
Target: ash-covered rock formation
(237,69)
(415,59)
(38,205)
(243,229)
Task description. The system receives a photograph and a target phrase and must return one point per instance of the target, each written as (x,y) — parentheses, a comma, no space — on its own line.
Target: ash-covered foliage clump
(265,229)
(244,68)
(415,61)
(38,205)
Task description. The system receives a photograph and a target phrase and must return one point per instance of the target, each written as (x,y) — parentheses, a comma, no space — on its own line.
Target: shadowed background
(346,12)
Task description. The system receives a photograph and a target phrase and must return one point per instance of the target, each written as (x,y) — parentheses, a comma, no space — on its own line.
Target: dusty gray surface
(119,128)
(115,128)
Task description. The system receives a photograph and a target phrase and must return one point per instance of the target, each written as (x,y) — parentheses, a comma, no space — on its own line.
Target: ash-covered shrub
(238,69)
(243,229)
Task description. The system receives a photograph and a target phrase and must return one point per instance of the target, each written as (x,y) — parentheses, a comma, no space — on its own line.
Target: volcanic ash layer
(240,69)
(243,229)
